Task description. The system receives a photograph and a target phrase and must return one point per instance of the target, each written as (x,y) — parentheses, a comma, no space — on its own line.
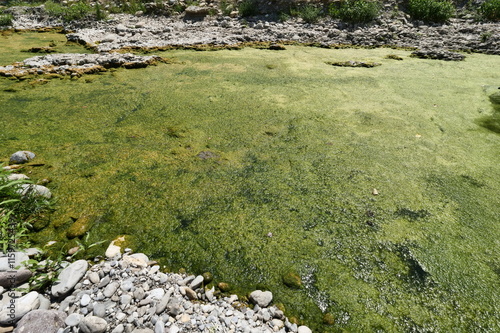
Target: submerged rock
(21,157)
(34,190)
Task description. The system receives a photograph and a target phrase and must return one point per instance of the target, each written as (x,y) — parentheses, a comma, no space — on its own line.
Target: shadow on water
(492,122)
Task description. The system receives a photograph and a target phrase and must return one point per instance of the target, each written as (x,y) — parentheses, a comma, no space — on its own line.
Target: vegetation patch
(355,11)
(438,11)
(352,63)
(490,10)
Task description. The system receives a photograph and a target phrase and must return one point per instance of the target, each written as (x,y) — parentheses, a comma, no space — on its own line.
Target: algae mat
(258,164)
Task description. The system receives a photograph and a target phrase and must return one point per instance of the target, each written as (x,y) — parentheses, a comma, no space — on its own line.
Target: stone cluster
(76,64)
(129,293)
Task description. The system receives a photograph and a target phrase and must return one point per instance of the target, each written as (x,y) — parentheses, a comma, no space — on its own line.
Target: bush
(73,12)
(431,10)
(5,19)
(308,13)
(357,11)
(490,10)
(248,8)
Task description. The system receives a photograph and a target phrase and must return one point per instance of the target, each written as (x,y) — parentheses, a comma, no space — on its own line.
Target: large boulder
(41,321)
(69,277)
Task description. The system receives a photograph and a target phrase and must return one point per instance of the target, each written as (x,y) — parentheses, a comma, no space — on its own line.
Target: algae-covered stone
(292,280)
(328,319)
(224,286)
(207,277)
(80,226)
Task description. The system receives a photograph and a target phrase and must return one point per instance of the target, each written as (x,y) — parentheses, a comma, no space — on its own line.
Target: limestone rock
(261,298)
(69,277)
(41,321)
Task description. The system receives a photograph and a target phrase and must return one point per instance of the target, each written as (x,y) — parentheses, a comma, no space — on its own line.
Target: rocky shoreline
(128,293)
(139,32)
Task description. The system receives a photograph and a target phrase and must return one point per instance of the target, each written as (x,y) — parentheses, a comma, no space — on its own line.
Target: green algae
(17,46)
(215,163)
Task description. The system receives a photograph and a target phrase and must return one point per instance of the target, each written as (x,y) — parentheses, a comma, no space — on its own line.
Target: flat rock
(22,156)
(17,176)
(41,321)
(69,277)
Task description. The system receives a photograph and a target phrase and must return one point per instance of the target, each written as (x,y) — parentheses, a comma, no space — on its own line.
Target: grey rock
(99,310)
(118,329)
(85,300)
(94,277)
(21,157)
(13,279)
(139,294)
(93,324)
(13,311)
(104,282)
(157,293)
(34,190)
(41,321)
(196,283)
(261,298)
(173,307)
(13,261)
(44,303)
(162,305)
(143,330)
(304,329)
(73,319)
(69,277)
(111,289)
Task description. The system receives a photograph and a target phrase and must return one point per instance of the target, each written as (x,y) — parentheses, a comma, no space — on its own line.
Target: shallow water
(199,160)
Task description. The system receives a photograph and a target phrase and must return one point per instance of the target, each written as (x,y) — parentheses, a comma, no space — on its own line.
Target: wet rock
(43,321)
(292,280)
(81,226)
(21,157)
(34,190)
(69,277)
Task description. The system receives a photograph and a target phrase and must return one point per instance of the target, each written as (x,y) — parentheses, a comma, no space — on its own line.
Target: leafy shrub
(490,10)
(355,11)
(5,19)
(438,11)
(308,13)
(248,8)
(73,12)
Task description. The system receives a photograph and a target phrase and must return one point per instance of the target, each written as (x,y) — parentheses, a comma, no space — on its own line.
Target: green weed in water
(217,163)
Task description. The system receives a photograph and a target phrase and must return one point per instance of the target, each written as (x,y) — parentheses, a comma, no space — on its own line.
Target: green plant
(225,7)
(45,270)
(6,19)
(248,8)
(357,11)
(73,12)
(490,10)
(438,11)
(84,246)
(308,13)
